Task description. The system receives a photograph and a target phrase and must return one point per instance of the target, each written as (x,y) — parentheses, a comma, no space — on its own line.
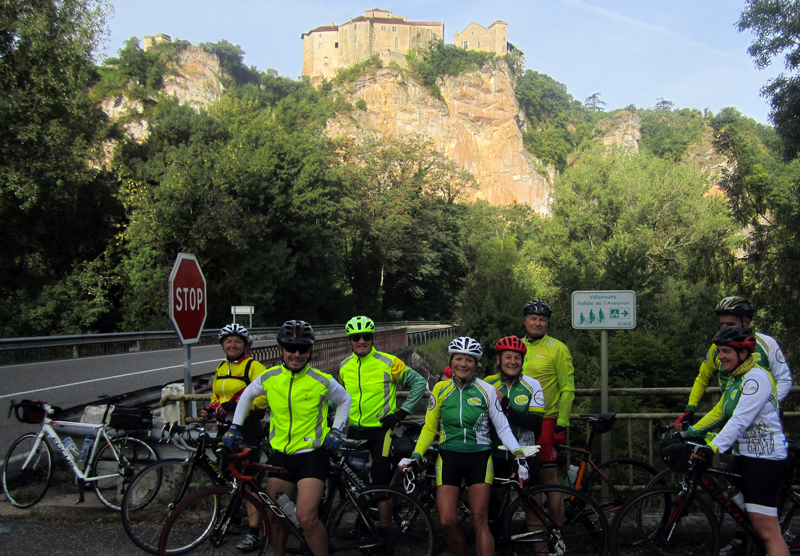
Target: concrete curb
(62,507)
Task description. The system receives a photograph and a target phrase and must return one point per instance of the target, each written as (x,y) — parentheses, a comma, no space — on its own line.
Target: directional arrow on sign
(624,313)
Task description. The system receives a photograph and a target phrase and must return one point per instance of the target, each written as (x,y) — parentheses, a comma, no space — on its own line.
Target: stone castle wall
(477,37)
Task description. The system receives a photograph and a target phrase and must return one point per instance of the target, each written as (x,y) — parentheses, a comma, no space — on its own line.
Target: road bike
(108,466)
(158,489)
(205,522)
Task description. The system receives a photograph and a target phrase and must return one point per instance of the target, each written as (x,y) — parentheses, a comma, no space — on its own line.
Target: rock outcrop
(477,126)
(623,129)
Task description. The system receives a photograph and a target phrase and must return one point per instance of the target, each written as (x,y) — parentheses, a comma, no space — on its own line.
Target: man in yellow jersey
(548,361)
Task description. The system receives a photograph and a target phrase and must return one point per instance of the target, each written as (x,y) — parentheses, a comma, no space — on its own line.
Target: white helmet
(234,330)
(467,346)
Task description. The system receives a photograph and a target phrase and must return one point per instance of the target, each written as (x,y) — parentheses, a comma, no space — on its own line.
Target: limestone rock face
(624,130)
(705,158)
(197,83)
(478,127)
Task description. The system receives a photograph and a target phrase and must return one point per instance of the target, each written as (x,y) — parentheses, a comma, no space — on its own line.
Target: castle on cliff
(328,49)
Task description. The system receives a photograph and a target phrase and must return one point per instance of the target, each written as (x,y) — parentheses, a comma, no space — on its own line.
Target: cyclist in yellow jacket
(299,431)
(371,378)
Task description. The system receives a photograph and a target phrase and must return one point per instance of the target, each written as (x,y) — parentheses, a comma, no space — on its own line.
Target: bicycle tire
(626,476)
(357,526)
(583,532)
(641,526)
(790,522)
(201,524)
(669,477)
(25,487)
(134,454)
(154,494)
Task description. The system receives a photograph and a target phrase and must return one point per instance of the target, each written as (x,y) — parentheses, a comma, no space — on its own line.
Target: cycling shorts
(759,484)
(503,468)
(548,454)
(471,467)
(378,445)
(315,464)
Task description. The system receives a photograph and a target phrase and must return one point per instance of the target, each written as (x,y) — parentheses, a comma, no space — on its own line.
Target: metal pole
(605,440)
(188,387)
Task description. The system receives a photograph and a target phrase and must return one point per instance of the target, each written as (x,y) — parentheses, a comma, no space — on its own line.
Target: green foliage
(231,62)
(361,104)
(776,26)
(668,133)
(57,211)
(348,75)
(441,60)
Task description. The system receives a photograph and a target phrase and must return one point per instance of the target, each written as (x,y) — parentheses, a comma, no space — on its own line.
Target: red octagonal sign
(187,298)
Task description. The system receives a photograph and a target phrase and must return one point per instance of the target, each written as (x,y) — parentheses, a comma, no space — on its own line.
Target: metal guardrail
(49,348)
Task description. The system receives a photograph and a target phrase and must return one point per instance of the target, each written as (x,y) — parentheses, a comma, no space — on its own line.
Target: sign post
(187,310)
(243,310)
(604,310)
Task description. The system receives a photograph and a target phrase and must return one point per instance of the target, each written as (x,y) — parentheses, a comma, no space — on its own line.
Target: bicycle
(203,522)
(156,491)
(675,520)
(619,476)
(108,466)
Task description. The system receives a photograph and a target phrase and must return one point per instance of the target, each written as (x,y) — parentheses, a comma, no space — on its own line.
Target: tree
(594,103)
(776,26)
(57,211)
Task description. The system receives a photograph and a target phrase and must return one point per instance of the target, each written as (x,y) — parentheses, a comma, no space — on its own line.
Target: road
(74,382)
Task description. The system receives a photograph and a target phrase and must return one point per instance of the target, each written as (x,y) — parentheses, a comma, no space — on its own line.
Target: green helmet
(357,325)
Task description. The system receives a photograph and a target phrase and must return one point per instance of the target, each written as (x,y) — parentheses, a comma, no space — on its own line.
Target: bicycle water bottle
(87,447)
(736,496)
(70,445)
(572,475)
(288,507)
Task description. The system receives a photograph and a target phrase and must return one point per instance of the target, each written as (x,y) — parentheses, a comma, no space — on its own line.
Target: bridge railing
(49,348)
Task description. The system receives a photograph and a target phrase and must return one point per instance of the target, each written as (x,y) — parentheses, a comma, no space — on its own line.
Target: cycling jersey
(372,380)
(768,354)
(550,362)
(524,396)
(462,417)
(232,377)
(748,415)
(298,406)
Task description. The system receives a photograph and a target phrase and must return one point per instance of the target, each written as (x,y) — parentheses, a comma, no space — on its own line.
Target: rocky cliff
(477,126)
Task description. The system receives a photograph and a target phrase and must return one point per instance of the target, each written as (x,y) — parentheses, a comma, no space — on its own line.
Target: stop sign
(187,298)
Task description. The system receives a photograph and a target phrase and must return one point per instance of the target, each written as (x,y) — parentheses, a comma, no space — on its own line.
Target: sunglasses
(359,337)
(294,349)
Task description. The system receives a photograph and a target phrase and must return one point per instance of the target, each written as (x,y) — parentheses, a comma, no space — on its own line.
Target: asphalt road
(78,381)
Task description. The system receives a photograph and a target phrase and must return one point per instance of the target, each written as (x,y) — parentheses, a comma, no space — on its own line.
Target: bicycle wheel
(532,526)
(790,522)
(359,526)
(155,493)
(625,476)
(128,457)
(206,524)
(646,524)
(27,470)
(668,477)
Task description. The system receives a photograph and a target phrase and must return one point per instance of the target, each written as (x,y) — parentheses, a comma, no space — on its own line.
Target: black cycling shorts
(471,467)
(315,464)
(759,483)
(378,445)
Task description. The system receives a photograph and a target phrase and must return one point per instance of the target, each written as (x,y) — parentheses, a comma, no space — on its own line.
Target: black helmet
(737,338)
(537,307)
(296,333)
(736,306)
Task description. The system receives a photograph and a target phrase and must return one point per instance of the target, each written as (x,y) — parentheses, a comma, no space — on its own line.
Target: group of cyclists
(481,424)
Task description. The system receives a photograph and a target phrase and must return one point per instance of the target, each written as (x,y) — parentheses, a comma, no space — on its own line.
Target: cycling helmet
(358,325)
(736,306)
(296,333)
(467,346)
(537,307)
(511,343)
(737,338)
(234,330)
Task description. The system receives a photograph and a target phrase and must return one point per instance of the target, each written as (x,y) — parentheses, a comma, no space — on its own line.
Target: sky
(630,51)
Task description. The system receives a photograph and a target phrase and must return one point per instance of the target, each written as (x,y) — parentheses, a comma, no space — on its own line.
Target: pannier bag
(675,454)
(130,418)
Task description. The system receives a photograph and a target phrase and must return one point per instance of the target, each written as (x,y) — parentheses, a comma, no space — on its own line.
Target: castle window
(383,27)
(320,46)
(465,45)
(336,45)
(397,44)
(394,28)
(479,44)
